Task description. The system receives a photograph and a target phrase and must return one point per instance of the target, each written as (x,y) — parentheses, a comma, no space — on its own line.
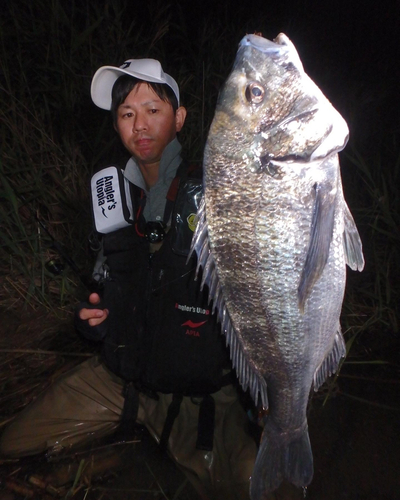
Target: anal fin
(331,362)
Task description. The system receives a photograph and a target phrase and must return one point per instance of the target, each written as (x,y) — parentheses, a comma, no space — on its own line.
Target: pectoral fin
(320,240)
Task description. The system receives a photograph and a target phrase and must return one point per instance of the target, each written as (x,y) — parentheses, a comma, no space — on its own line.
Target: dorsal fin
(246,372)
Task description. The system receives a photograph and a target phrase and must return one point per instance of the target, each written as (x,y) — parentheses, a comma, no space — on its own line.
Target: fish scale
(273,237)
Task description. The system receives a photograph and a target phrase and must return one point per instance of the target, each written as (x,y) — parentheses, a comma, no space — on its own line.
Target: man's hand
(93,316)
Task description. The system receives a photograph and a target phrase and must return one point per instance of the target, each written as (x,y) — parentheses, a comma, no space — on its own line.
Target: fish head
(270,110)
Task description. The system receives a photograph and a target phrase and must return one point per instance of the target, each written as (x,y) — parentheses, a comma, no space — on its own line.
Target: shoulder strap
(181,173)
(138,202)
(173,412)
(110,205)
(205,425)
(184,171)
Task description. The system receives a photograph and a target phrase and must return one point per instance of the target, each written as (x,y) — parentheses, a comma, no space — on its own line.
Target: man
(163,360)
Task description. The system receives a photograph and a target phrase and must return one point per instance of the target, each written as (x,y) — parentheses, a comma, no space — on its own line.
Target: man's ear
(180,117)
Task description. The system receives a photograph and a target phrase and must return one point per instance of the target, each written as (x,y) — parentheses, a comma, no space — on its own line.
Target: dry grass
(52,139)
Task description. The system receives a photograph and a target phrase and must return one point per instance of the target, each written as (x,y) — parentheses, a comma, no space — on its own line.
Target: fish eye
(255,92)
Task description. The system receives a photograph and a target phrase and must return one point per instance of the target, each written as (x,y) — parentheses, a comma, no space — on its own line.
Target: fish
(274,235)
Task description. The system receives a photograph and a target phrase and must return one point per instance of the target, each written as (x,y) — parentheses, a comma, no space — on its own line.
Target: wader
(87,402)
(159,339)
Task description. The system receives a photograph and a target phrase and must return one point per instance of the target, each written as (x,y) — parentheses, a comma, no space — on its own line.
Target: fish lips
(280,48)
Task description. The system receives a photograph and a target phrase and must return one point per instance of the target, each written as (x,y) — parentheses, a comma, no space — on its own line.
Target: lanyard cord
(139,211)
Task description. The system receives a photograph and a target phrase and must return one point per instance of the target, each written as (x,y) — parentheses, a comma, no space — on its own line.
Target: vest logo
(105,193)
(198,310)
(191,331)
(193,325)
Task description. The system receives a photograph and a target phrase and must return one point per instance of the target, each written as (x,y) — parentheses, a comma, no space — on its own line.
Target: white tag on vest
(111,201)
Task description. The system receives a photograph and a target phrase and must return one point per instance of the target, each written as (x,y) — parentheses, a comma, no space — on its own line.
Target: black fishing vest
(161,335)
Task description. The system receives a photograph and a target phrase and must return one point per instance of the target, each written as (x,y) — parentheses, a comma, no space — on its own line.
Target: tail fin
(278,460)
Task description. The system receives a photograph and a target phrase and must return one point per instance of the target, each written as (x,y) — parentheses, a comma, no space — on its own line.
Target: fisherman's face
(147,124)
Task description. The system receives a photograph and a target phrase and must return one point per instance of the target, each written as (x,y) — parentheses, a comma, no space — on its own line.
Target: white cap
(148,70)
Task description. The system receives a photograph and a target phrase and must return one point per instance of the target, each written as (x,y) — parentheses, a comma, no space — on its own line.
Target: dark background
(53,137)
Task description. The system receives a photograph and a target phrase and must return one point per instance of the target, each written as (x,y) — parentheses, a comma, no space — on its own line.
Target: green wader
(87,403)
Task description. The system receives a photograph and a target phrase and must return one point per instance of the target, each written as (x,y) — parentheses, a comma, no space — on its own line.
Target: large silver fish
(274,236)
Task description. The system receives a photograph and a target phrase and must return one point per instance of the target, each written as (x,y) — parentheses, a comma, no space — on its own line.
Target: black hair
(126,83)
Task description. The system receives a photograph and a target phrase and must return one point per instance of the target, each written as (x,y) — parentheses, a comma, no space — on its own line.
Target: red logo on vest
(193,325)
(192,332)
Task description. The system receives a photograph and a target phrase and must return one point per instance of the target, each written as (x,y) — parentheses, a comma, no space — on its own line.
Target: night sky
(350,48)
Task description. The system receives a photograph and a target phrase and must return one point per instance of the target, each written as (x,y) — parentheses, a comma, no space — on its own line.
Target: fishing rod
(52,266)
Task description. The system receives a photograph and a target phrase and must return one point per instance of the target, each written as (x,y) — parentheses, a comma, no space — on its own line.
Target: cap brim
(105,77)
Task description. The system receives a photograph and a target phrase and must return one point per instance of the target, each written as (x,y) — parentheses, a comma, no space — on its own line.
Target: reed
(374,295)
(53,138)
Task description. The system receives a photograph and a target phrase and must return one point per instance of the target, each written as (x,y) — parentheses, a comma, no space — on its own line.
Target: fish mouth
(281,48)
(266,131)
(303,116)
(261,44)
(293,156)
